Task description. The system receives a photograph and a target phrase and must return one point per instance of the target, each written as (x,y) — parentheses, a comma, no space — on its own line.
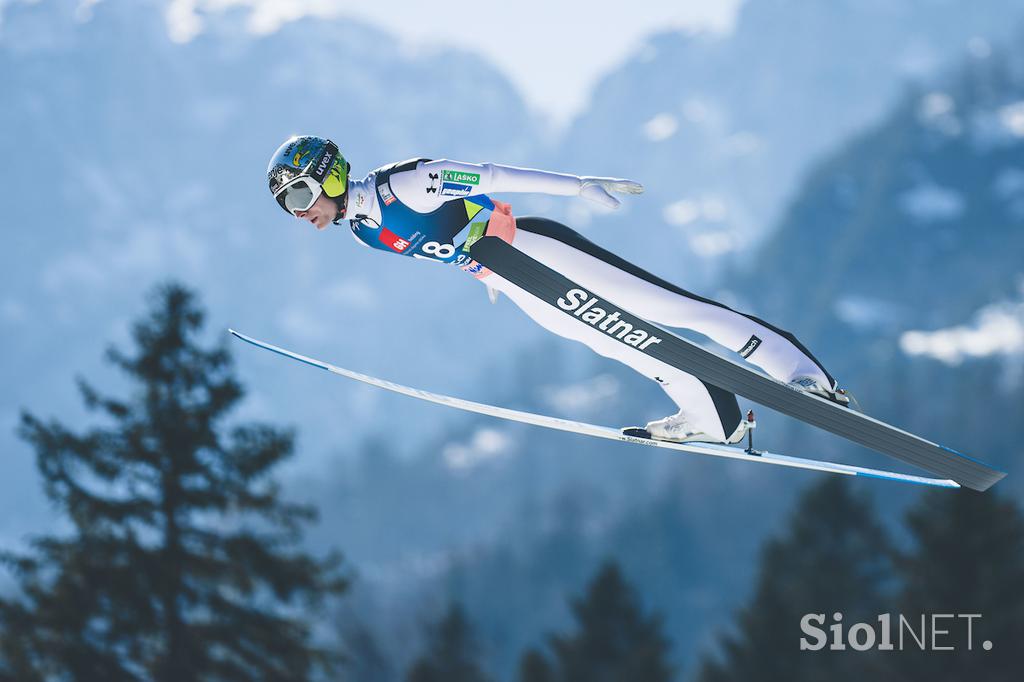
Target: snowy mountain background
(720,127)
(850,170)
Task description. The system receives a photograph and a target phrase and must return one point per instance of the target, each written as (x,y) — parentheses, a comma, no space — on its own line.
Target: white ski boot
(812,385)
(677,428)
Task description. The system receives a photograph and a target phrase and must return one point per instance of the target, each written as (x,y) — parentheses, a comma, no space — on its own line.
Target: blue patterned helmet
(303,168)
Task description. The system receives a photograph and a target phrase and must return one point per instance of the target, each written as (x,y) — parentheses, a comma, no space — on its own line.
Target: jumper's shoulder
(399,166)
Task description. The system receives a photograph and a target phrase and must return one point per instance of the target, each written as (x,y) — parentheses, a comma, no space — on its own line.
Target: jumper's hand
(600,189)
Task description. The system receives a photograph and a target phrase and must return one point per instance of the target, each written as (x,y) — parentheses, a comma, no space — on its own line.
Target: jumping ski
(605,432)
(565,295)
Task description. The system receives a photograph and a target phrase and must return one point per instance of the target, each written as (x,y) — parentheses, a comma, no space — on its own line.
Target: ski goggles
(299,194)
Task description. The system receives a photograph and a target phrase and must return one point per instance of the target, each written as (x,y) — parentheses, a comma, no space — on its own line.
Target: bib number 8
(438,250)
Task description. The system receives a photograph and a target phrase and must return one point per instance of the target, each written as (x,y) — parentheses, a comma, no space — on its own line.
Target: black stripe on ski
(554,289)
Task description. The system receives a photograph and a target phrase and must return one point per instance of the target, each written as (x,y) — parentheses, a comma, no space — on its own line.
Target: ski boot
(811,385)
(677,428)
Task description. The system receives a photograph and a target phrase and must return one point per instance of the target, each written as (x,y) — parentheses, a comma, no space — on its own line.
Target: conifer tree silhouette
(182,561)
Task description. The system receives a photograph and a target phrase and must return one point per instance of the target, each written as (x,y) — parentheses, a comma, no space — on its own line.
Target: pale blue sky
(552,51)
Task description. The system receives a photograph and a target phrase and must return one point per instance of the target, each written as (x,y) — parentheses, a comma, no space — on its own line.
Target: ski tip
(242,337)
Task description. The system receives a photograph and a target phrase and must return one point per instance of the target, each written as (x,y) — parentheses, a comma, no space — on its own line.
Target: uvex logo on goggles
(322,166)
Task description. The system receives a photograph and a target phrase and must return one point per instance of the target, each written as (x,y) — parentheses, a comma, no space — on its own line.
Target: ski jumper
(435,210)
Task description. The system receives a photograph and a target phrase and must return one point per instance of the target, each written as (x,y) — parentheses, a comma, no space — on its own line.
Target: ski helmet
(303,168)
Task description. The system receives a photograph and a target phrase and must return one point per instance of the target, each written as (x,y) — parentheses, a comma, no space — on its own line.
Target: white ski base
(604,431)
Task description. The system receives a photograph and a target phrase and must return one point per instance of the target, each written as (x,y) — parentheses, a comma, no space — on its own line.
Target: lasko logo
(393,241)
(581,305)
(460,177)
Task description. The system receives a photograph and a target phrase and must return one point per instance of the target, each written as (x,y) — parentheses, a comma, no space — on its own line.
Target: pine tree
(182,562)
(452,653)
(833,557)
(614,642)
(967,557)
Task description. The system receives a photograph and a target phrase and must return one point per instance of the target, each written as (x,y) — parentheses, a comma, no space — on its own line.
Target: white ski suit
(410,208)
